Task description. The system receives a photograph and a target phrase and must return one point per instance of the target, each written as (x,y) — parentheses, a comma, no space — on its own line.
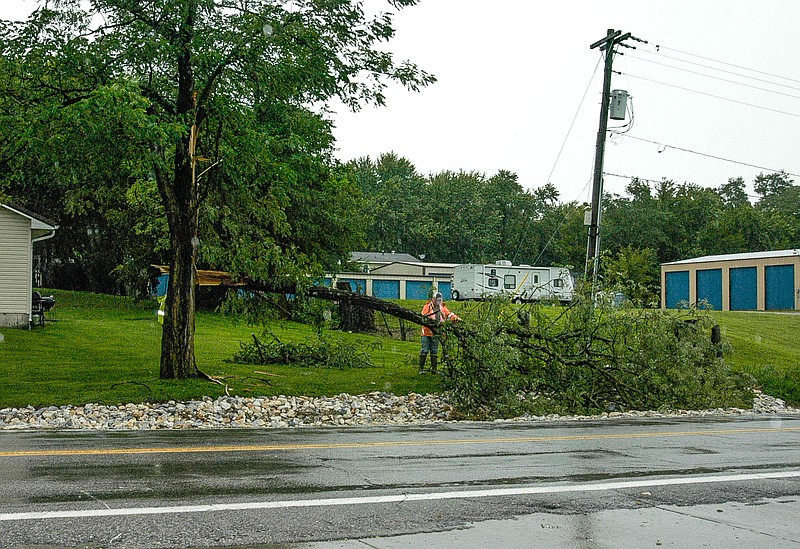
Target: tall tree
(393,193)
(463,224)
(211,72)
(779,196)
(639,220)
(733,192)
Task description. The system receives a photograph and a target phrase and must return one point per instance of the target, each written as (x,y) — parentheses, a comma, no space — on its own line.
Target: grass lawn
(106,349)
(767,346)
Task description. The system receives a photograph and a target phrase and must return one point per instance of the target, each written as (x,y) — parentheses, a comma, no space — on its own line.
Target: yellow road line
(336,446)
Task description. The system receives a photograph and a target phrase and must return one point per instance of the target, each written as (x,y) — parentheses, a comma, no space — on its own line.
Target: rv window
(494,282)
(558,283)
(509,282)
(493,272)
(536,279)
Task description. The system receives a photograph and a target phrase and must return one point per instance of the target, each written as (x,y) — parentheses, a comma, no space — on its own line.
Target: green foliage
(326,351)
(461,216)
(634,273)
(485,370)
(589,359)
(467,217)
(393,195)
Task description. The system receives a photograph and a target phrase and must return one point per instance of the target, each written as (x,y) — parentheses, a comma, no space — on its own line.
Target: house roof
(37,221)
(382,257)
(737,257)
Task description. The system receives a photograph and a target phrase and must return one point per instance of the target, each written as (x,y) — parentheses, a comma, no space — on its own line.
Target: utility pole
(606,44)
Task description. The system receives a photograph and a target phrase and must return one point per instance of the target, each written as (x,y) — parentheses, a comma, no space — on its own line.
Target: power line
(712,95)
(569,131)
(650,181)
(658,47)
(709,155)
(719,78)
(678,59)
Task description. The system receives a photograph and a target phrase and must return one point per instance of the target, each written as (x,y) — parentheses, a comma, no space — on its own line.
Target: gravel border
(376,408)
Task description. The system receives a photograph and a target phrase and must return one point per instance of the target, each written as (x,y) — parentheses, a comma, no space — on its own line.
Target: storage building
(396,276)
(759,281)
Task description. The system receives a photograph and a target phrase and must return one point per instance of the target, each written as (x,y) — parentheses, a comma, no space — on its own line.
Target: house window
(510,282)
(494,282)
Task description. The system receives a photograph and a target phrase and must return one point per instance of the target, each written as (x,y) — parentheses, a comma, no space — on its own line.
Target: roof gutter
(47,236)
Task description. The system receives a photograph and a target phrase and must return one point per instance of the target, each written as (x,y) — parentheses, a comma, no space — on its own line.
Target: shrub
(325,352)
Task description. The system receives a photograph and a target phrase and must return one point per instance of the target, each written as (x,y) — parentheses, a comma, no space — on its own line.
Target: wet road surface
(565,484)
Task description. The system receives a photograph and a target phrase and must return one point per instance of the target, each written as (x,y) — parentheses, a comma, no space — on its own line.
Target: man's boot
(422,362)
(434,360)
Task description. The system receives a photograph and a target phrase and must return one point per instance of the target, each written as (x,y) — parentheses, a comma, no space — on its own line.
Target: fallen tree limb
(461,332)
(333,294)
(207,377)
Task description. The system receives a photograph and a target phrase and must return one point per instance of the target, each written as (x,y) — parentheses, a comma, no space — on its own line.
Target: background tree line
(468,217)
(113,228)
(110,234)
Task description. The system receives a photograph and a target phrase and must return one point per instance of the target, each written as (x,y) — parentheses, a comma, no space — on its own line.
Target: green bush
(323,352)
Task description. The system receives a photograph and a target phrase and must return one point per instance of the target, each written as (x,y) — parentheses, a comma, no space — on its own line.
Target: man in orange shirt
(435,310)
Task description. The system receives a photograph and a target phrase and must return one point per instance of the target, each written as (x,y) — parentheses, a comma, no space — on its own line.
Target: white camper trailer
(518,282)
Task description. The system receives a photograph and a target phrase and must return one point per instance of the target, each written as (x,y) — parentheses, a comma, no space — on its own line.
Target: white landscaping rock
(375,408)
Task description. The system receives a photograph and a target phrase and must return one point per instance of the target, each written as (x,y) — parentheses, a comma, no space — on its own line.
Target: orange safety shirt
(430,310)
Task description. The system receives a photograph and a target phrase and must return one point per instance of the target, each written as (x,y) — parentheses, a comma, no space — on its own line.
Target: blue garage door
(417,290)
(358,285)
(677,292)
(744,289)
(386,289)
(709,288)
(445,288)
(779,287)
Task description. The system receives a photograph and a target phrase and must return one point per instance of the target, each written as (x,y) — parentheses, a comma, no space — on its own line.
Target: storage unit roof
(382,257)
(737,257)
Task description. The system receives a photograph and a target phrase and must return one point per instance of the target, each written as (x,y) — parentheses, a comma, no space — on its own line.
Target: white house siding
(15,268)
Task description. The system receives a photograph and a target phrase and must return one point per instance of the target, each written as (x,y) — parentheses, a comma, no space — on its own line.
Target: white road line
(495,492)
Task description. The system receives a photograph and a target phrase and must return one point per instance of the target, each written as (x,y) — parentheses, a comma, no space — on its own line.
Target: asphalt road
(729,483)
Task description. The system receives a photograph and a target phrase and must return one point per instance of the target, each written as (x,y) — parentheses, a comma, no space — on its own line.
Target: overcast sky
(519,90)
